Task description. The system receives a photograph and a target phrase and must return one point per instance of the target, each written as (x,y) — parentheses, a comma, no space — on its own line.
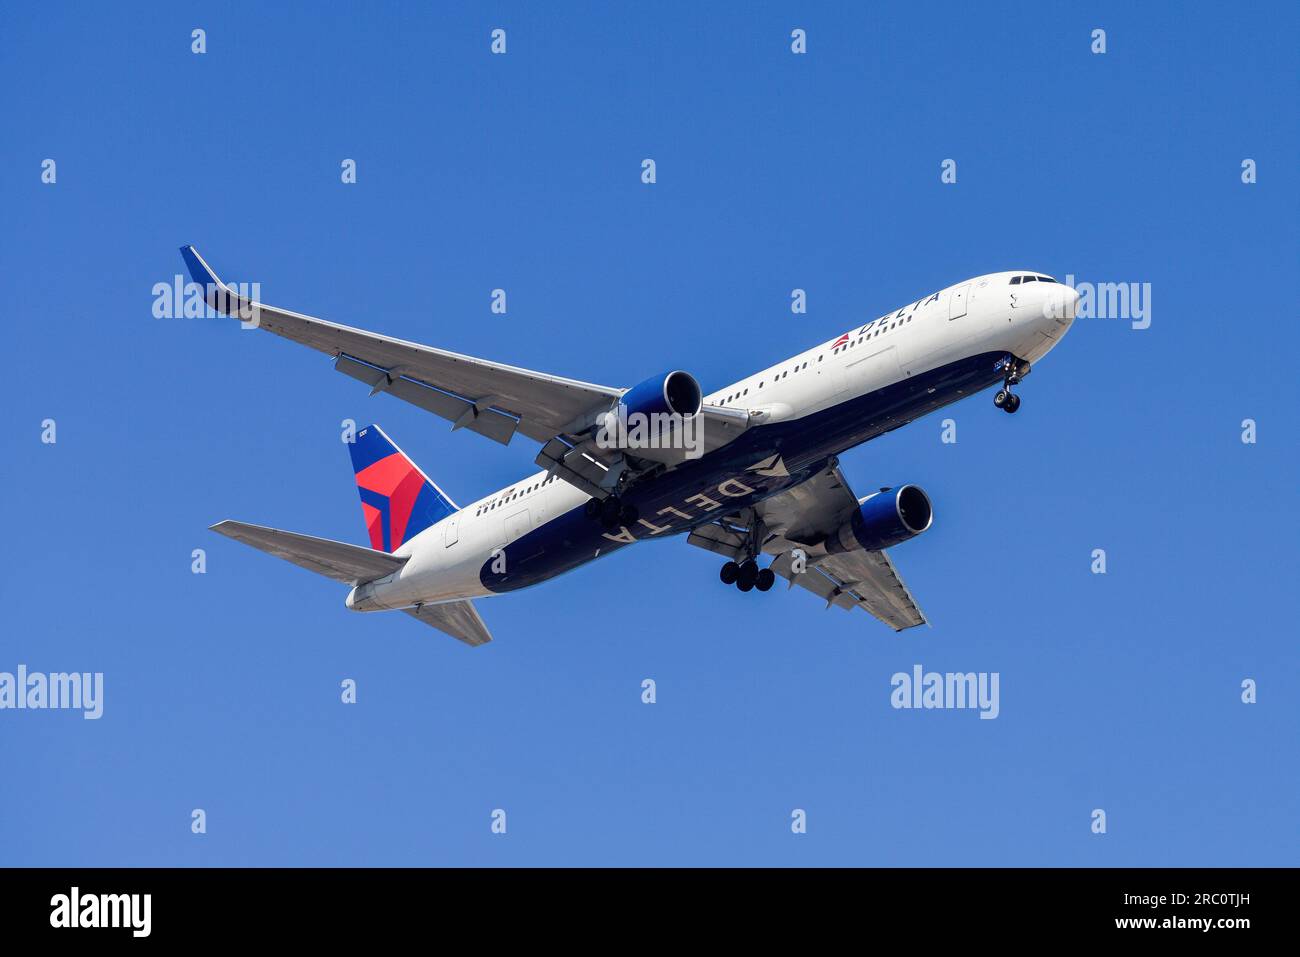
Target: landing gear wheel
(1013,403)
(730,572)
(609,511)
(748,575)
(627,515)
(766,579)
(1001,399)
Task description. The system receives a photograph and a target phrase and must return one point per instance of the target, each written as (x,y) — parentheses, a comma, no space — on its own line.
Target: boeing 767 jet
(749,471)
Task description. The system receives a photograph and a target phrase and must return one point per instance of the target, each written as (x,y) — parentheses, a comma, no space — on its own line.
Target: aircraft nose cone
(1061,304)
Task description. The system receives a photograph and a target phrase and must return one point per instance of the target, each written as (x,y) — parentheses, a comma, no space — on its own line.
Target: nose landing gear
(1005,399)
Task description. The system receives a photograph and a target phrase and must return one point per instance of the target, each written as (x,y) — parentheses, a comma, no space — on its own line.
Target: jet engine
(675,393)
(882,520)
(656,420)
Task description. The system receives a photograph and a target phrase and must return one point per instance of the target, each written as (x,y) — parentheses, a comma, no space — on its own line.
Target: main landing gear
(611,512)
(747,575)
(1006,400)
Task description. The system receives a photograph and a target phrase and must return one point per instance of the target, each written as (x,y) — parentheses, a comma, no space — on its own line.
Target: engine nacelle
(675,393)
(658,419)
(884,520)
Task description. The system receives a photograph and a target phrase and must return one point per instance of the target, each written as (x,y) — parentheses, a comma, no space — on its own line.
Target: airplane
(748,472)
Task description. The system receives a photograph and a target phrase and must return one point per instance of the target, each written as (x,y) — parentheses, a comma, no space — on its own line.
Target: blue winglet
(199,271)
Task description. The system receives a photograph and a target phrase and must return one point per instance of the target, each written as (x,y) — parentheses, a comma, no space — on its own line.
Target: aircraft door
(957,304)
(517,525)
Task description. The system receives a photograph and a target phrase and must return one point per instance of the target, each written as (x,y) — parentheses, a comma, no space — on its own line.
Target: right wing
(490,398)
(459,619)
(486,397)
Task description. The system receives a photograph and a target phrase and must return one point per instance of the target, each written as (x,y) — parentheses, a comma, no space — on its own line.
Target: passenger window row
(780,375)
(869,334)
(511,496)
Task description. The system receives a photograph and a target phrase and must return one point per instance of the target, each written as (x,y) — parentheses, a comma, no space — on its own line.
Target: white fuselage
(982,315)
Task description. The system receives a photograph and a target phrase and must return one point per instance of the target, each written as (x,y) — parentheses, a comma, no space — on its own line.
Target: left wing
(867,580)
(490,398)
(802,517)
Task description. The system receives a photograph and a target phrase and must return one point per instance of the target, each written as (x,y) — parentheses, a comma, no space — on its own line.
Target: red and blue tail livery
(398,501)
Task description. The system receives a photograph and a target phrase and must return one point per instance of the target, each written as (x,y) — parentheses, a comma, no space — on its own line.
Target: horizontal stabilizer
(352,564)
(457,618)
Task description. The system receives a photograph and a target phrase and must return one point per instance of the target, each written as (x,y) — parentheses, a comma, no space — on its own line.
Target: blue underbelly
(721,483)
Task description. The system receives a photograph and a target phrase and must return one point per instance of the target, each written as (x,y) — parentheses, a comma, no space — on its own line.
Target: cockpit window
(1047,279)
(1029,279)
(1015,280)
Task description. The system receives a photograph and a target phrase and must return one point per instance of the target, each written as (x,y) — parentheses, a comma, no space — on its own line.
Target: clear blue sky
(775,171)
